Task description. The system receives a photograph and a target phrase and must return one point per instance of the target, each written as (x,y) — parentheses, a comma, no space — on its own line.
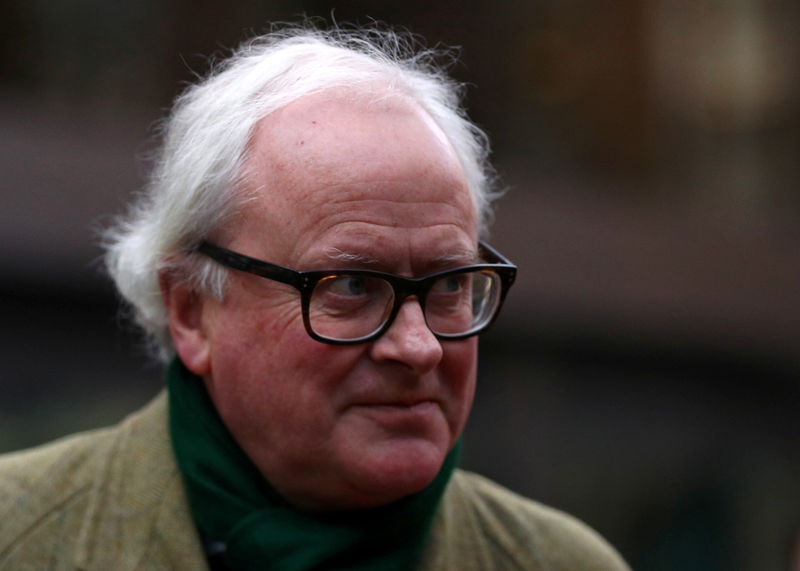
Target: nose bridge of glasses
(404,289)
(412,309)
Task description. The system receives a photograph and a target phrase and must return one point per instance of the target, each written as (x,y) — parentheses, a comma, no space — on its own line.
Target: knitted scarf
(235,507)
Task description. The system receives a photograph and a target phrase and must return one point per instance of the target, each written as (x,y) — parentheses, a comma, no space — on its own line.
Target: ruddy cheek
(459,368)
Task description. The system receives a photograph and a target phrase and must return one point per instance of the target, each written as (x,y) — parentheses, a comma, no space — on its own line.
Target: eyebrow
(464,257)
(342,256)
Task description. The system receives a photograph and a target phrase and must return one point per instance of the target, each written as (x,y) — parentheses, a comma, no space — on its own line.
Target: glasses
(347,306)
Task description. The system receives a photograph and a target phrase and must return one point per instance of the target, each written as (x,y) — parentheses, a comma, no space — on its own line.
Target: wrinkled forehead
(318,157)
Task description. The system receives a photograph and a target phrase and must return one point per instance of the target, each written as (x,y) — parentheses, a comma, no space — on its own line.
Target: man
(307,257)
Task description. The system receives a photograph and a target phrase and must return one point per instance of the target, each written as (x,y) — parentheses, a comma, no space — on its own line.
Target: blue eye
(348,286)
(450,284)
(453,283)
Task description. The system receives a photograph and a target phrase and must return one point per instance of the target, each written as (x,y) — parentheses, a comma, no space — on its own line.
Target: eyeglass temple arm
(251,265)
(497,256)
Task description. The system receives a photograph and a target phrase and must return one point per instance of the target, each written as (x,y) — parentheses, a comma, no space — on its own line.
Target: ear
(186,324)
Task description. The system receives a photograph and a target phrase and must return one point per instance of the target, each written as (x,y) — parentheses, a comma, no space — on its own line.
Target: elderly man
(307,257)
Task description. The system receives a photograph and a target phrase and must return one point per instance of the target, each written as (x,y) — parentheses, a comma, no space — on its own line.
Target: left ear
(185,309)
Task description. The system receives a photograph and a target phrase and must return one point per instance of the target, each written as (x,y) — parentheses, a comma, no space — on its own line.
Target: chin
(401,468)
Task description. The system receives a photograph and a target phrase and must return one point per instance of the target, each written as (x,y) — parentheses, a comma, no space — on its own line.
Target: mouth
(420,405)
(400,412)
(401,403)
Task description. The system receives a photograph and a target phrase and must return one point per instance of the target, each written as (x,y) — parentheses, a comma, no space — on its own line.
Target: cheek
(269,368)
(459,370)
(249,327)
(246,345)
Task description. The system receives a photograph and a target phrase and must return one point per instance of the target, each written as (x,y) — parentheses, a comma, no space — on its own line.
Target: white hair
(199,168)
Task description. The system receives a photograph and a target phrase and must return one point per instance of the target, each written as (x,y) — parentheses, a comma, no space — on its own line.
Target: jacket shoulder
(48,487)
(53,498)
(491,527)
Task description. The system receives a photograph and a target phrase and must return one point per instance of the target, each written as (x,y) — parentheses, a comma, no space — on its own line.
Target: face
(340,181)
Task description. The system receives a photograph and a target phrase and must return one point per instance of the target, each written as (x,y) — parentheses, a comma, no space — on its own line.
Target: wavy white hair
(195,183)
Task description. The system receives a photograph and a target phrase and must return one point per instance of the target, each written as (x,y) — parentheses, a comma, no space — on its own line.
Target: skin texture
(338,427)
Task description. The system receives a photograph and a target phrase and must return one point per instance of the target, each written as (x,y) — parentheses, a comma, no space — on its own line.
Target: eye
(450,284)
(347,296)
(347,286)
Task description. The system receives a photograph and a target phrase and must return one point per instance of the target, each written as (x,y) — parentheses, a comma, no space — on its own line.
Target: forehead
(344,166)
(342,136)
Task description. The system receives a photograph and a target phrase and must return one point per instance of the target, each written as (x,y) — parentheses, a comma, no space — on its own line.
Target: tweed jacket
(113,499)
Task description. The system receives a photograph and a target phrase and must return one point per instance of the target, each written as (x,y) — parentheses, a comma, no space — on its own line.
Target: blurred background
(645,375)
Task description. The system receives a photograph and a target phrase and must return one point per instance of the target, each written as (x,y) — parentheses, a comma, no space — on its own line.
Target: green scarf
(232,503)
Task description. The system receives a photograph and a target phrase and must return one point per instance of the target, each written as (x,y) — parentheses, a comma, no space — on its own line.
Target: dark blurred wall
(646,373)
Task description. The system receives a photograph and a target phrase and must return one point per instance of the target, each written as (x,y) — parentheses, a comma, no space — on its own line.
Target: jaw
(381,456)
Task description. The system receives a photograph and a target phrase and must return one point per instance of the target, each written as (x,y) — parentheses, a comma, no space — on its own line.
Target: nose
(409,341)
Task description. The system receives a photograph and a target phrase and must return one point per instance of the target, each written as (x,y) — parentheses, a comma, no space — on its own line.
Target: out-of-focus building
(646,373)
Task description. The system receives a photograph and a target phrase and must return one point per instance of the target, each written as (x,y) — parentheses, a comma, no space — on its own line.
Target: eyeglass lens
(345,307)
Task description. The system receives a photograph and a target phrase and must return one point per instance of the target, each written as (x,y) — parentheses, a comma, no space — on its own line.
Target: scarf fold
(232,503)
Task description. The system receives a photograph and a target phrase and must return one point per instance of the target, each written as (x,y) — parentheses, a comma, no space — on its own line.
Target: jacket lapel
(138,516)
